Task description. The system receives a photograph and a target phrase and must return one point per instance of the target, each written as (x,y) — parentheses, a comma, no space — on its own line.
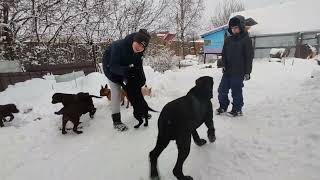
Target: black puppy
(67,99)
(73,112)
(135,96)
(7,110)
(179,120)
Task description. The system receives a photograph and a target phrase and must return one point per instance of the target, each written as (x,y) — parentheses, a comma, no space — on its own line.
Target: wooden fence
(294,42)
(7,79)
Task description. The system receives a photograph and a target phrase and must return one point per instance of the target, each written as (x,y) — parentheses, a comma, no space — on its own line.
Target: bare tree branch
(224,11)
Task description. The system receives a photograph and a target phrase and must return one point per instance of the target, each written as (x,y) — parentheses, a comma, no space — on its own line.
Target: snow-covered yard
(278,137)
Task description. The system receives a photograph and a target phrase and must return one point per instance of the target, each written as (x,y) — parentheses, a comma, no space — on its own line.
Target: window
(207,42)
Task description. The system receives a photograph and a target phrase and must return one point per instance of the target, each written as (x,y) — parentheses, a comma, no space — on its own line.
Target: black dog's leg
(210,124)
(183,144)
(64,123)
(140,122)
(197,139)
(59,112)
(146,121)
(139,118)
(75,126)
(91,113)
(1,121)
(162,143)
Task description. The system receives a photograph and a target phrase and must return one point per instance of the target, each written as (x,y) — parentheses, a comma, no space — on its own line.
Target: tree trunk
(7,33)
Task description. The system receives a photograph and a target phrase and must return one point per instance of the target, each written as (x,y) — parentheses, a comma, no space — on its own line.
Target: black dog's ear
(204,86)
(204,80)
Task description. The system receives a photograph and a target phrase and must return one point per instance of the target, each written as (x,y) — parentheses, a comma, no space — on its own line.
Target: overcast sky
(249,4)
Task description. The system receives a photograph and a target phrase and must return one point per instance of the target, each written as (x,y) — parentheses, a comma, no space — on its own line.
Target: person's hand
(247,77)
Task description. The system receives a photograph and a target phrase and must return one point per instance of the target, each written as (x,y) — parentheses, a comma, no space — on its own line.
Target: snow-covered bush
(162,61)
(159,57)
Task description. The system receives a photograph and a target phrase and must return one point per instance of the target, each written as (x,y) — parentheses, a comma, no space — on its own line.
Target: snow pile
(291,16)
(190,60)
(277,138)
(191,57)
(275,51)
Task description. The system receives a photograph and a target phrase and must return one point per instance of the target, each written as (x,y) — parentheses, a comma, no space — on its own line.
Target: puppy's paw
(146,125)
(212,138)
(155,178)
(211,135)
(186,178)
(78,132)
(201,142)
(136,126)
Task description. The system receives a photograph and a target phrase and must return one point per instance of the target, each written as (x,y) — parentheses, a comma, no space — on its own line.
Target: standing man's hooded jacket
(119,58)
(237,53)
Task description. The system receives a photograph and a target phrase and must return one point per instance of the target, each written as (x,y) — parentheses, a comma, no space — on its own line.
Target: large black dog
(179,120)
(135,96)
(7,111)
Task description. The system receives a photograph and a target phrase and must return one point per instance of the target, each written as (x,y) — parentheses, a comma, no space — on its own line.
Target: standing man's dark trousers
(235,83)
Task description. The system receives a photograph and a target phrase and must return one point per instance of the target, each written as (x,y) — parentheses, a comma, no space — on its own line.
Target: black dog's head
(137,80)
(12,108)
(56,98)
(204,87)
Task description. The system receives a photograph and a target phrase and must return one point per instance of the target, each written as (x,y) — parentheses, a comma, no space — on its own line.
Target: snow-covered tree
(224,10)
(159,57)
(186,15)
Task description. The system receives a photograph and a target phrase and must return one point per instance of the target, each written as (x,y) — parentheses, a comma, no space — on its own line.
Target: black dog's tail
(152,109)
(95,96)
(60,112)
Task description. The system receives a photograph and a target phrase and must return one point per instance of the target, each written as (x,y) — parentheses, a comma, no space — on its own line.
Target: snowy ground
(278,137)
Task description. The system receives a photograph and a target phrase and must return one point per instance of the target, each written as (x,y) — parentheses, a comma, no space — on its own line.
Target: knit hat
(237,21)
(142,37)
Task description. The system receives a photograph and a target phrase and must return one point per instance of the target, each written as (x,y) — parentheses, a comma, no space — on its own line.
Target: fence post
(298,45)
(254,46)
(318,42)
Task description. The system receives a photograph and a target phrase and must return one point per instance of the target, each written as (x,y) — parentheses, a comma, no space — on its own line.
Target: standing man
(118,61)
(237,57)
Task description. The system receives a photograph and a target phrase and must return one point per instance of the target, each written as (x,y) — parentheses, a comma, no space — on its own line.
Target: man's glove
(247,77)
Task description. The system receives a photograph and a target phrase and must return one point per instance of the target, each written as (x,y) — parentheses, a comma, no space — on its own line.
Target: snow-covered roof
(215,30)
(198,41)
(287,17)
